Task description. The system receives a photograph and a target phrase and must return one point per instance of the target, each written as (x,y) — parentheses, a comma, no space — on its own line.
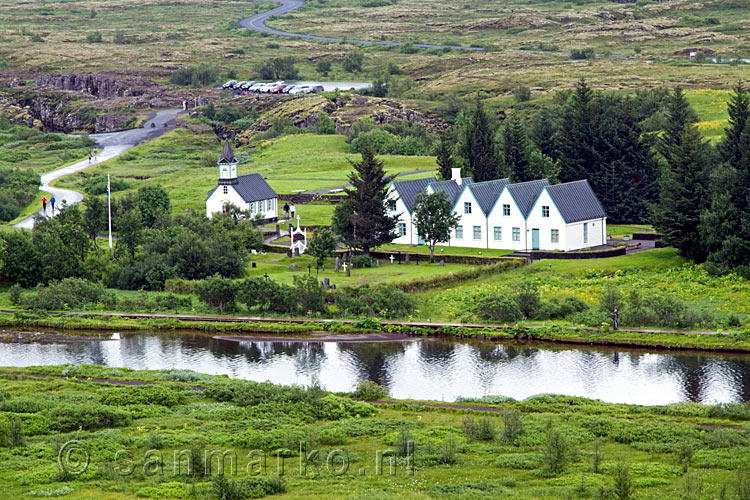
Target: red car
(278,89)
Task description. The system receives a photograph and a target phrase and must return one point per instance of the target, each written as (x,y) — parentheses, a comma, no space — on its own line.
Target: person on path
(292,210)
(44,204)
(52,202)
(89,156)
(615,318)
(286,209)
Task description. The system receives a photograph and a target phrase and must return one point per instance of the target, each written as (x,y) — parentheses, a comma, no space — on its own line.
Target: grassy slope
(646,438)
(655,270)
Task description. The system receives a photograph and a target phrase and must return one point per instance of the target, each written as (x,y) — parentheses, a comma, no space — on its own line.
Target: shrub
(528,300)
(361,261)
(202,75)
(95,37)
(325,125)
(310,294)
(579,54)
(370,391)
(500,307)
(323,67)
(385,301)
(218,292)
(623,486)
(143,395)
(69,417)
(522,93)
(98,185)
(513,426)
(67,293)
(405,445)
(557,451)
(352,61)
(610,299)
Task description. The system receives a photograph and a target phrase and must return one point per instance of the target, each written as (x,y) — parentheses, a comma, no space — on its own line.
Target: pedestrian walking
(44,204)
(89,156)
(52,202)
(286,209)
(615,318)
(292,210)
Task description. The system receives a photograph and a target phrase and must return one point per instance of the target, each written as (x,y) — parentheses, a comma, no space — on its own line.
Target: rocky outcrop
(102,85)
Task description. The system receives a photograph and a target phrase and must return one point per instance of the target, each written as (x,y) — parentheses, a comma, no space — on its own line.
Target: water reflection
(425,369)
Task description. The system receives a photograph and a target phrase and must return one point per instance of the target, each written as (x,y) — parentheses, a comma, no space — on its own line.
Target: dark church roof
(451,187)
(251,187)
(408,190)
(576,201)
(227,156)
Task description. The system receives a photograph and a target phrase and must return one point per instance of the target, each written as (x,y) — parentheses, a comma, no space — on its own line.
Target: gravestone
(327,282)
(254,265)
(289,253)
(296,251)
(377,263)
(292,268)
(333,286)
(348,271)
(278,230)
(442,263)
(336,264)
(406,259)
(391,258)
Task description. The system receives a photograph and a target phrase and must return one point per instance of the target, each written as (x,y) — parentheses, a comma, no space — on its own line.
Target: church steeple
(227,165)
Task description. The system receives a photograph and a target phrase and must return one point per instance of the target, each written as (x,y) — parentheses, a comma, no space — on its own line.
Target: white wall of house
(218,199)
(506,223)
(410,238)
(596,231)
(469,221)
(546,225)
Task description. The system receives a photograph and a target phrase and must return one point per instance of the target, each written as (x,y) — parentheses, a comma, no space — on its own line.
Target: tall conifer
(478,145)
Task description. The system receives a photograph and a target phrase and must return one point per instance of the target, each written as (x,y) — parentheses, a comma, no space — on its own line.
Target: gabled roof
(576,201)
(526,193)
(451,188)
(408,190)
(227,155)
(253,187)
(487,192)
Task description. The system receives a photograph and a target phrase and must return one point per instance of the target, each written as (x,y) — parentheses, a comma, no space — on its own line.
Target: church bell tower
(227,165)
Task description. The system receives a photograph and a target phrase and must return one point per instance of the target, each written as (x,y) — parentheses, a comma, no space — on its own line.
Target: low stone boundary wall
(647,236)
(587,254)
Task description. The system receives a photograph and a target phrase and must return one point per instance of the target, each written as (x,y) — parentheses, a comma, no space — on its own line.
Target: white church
(534,215)
(249,192)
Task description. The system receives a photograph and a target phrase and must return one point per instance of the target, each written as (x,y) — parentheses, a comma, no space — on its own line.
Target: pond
(436,369)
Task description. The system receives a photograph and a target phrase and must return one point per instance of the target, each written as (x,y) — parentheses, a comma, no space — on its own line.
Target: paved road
(113,144)
(258,23)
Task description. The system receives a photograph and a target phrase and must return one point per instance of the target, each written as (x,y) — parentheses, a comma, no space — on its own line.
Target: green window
(498,233)
(477,232)
(402,228)
(459,232)
(516,234)
(555,236)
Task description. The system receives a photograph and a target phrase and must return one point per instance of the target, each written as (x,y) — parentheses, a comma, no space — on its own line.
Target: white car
(301,89)
(230,84)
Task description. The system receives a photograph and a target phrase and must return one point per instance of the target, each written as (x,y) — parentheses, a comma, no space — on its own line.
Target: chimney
(456,175)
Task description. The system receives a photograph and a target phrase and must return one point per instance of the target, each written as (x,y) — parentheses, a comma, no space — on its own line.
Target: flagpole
(109,210)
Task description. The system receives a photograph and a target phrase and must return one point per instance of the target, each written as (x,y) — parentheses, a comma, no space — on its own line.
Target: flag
(109,213)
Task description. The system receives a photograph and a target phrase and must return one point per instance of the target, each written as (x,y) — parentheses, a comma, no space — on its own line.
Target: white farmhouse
(523,216)
(249,192)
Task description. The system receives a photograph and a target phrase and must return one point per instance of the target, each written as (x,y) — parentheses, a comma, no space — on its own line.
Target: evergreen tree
(739,116)
(363,221)
(516,149)
(625,177)
(725,225)
(577,136)
(678,115)
(542,166)
(478,145)
(683,193)
(444,155)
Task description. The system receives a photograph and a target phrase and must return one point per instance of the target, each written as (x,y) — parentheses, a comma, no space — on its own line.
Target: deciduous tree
(434,218)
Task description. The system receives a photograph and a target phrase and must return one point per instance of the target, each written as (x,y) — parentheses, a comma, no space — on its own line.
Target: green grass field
(512,457)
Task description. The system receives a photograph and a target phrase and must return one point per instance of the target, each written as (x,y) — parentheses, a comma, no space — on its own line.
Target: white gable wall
(507,223)
(469,221)
(405,217)
(547,224)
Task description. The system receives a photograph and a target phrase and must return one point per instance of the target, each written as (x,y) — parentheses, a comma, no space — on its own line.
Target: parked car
(255,86)
(230,84)
(288,89)
(317,88)
(247,85)
(238,85)
(301,89)
(278,89)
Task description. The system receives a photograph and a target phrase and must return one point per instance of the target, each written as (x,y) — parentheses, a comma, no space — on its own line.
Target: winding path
(113,144)
(258,23)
